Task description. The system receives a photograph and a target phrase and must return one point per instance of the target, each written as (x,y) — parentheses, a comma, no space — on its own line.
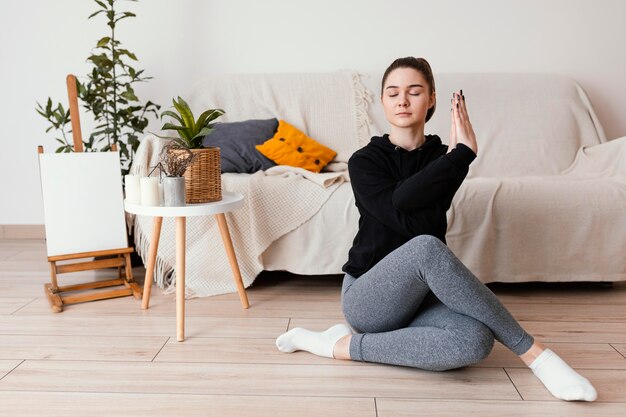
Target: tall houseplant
(108,95)
(203,181)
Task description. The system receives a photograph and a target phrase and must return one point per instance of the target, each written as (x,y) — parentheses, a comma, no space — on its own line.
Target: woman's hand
(461,130)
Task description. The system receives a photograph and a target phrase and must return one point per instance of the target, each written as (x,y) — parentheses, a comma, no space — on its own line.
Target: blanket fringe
(362,99)
(162,272)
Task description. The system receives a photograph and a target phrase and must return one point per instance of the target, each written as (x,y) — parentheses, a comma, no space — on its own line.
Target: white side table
(230,201)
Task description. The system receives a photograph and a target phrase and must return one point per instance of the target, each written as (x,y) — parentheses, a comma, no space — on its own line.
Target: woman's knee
(478,345)
(426,244)
(473,345)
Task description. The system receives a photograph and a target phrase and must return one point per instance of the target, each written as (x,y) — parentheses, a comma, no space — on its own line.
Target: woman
(410,301)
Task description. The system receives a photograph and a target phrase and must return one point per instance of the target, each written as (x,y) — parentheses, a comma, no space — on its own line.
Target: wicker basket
(203,180)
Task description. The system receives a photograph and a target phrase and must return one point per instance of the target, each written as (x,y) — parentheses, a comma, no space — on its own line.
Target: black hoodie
(401,194)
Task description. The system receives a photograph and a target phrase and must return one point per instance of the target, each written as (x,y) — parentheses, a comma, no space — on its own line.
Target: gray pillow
(237,141)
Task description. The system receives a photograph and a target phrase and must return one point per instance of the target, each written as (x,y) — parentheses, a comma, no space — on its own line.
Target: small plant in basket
(190,131)
(203,180)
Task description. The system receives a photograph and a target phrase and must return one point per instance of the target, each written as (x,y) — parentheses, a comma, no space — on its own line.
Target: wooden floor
(110,358)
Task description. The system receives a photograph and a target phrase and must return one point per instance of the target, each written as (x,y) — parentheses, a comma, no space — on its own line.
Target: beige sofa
(544,201)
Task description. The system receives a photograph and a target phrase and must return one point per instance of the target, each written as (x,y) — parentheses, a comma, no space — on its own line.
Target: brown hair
(420,65)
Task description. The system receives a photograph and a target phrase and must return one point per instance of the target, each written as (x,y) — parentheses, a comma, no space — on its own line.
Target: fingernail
(461,92)
(457,105)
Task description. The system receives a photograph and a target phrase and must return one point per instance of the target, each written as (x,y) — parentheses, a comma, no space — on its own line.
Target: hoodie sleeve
(439,180)
(373,191)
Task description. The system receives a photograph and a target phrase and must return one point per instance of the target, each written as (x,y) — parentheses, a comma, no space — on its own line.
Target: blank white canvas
(83,202)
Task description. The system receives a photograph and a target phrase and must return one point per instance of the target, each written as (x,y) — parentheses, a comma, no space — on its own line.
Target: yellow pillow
(290,146)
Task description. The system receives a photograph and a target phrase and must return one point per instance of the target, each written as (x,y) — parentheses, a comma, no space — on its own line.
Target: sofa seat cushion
(548,228)
(328,235)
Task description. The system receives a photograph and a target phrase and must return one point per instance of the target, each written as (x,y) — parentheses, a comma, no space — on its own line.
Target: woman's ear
(432,100)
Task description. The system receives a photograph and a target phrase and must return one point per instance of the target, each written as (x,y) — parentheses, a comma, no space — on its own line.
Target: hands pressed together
(461,130)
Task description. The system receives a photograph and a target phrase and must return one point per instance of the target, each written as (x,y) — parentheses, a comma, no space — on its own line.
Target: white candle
(133,193)
(149,191)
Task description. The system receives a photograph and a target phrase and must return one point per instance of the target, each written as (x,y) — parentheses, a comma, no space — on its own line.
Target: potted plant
(203,181)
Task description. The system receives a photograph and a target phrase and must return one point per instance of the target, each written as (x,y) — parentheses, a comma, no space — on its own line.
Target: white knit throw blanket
(276,201)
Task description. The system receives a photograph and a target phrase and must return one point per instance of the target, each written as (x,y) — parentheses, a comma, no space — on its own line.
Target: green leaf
(129,95)
(58,117)
(215,114)
(124,16)
(123,149)
(171,126)
(44,114)
(185,112)
(208,116)
(205,131)
(100,60)
(95,14)
(103,42)
(185,135)
(172,115)
(164,137)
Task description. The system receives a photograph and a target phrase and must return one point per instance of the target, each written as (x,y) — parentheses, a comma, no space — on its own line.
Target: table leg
(152,254)
(180,277)
(230,251)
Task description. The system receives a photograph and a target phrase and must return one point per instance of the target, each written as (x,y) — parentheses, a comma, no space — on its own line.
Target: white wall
(179,41)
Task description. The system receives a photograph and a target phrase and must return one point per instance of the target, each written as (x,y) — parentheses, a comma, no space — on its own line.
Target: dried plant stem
(175,159)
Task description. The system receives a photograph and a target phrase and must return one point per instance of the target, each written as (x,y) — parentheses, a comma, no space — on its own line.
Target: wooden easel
(119,258)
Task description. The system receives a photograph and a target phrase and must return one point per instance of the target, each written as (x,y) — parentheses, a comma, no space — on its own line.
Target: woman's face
(406,98)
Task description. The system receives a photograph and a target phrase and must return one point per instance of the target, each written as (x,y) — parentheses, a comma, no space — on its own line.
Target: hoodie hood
(383,143)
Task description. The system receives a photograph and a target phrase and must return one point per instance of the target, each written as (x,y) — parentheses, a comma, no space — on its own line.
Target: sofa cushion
(290,146)
(237,141)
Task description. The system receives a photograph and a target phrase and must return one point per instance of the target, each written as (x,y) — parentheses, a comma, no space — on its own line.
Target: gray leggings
(421,307)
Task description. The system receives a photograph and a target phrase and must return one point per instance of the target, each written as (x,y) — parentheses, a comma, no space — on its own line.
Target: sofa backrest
(329,107)
(526,124)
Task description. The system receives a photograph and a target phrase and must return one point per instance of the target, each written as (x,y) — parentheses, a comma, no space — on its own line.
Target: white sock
(318,343)
(560,379)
